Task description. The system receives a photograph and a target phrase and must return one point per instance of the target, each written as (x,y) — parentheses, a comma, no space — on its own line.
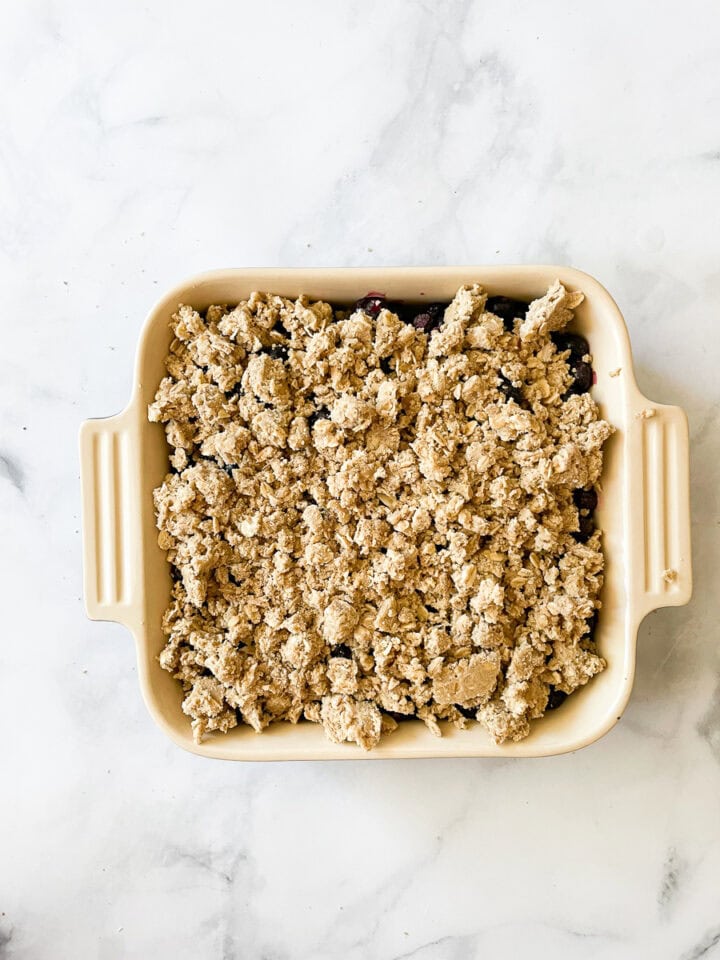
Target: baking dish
(643,511)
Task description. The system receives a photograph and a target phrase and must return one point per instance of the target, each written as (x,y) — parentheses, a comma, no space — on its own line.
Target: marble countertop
(144,142)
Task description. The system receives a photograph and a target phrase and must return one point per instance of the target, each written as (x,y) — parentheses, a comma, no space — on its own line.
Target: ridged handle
(105,476)
(666,570)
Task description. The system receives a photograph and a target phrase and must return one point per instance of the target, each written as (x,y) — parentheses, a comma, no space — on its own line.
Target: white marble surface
(142,142)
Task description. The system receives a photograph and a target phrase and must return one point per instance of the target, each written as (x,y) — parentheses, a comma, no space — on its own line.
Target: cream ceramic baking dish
(643,510)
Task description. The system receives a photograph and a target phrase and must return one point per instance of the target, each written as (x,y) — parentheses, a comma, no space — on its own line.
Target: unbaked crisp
(366,522)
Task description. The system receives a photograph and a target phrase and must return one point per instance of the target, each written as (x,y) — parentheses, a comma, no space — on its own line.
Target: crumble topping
(369,519)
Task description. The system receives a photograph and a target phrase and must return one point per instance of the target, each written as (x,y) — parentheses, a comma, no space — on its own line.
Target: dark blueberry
(278,351)
(582,377)
(281,329)
(510,392)
(398,717)
(429,318)
(322,413)
(586,530)
(585,499)
(592,624)
(468,712)
(372,304)
(342,650)
(385,365)
(577,345)
(405,311)
(556,699)
(507,309)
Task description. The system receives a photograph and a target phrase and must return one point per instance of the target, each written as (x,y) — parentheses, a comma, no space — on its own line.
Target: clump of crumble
(369,519)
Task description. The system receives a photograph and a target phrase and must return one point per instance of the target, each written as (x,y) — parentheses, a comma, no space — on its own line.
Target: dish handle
(110,578)
(665,569)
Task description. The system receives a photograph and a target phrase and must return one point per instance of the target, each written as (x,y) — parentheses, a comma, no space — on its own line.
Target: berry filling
(582,377)
(372,304)
(556,699)
(430,318)
(507,309)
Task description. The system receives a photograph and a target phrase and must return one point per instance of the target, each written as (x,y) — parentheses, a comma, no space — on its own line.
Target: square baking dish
(643,510)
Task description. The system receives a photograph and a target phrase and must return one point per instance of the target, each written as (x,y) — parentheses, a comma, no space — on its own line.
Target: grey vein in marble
(705,947)
(11,470)
(6,937)
(709,725)
(673,870)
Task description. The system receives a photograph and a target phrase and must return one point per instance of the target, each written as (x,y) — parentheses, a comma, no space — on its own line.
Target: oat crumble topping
(368,519)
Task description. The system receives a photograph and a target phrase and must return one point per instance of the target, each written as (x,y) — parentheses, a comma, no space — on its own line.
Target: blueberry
(507,309)
(556,699)
(429,318)
(371,305)
(582,378)
(399,717)
(468,712)
(585,499)
(322,413)
(592,624)
(281,328)
(510,392)
(577,345)
(586,530)
(278,351)
(342,650)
